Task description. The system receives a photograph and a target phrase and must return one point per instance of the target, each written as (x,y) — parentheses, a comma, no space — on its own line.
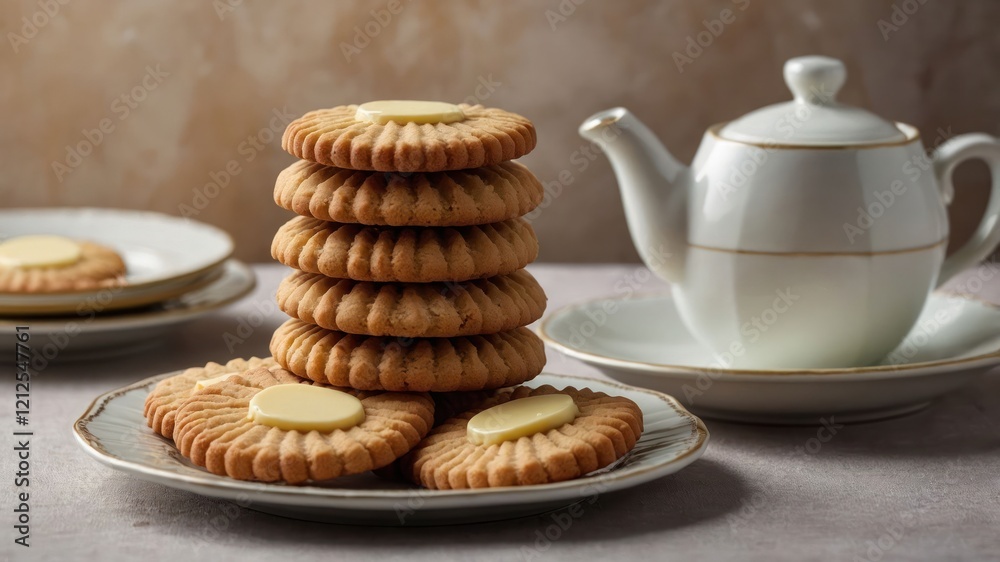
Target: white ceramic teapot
(805,234)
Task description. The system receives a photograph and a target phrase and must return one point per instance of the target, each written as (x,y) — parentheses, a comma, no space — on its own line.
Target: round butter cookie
(408,364)
(606,428)
(168,395)
(336,137)
(214,430)
(97,267)
(414,254)
(414,310)
(458,198)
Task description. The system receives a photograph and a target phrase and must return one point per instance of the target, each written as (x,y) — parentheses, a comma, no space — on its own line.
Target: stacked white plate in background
(177,269)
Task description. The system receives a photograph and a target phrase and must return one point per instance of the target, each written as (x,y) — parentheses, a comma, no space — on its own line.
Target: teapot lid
(813,118)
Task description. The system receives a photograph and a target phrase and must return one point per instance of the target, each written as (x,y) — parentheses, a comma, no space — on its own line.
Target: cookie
(415,310)
(413,254)
(98,267)
(168,395)
(214,431)
(406,364)
(605,430)
(458,198)
(334,137)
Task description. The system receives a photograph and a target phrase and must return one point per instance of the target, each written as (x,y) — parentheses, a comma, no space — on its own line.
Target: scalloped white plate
(644,343)
(164,255)
(114,431)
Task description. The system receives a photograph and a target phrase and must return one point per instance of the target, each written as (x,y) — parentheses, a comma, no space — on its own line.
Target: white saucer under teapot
(641,341)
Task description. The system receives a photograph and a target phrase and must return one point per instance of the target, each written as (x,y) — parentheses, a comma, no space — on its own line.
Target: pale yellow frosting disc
(303,407)
(409,111)
(39,251)
(209,382)
(521,418)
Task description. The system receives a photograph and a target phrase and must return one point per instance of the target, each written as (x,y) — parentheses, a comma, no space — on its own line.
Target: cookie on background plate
(408,254)
(457,198)
(416,310)
(416,136)
(51,264)
(604,430)
(408,364)
(167,396)
(214,429)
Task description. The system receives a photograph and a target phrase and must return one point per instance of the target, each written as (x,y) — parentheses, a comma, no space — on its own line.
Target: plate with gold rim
(113,431)
(89,335)
(164,256)
(644,343)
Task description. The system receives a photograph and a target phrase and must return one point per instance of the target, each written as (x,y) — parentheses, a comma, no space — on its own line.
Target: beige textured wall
(185,89)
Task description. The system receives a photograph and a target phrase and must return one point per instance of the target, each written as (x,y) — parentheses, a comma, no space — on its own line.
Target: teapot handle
(987,235)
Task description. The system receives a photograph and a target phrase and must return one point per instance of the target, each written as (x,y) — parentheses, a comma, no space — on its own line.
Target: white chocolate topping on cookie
(300,407)
(209,382)
(521,418)
(39,251)
(409,111)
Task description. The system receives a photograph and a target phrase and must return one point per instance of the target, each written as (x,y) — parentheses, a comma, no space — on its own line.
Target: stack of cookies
(409,249)
(407,344)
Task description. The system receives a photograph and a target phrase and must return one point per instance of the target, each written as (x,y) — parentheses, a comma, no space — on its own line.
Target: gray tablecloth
(925,487)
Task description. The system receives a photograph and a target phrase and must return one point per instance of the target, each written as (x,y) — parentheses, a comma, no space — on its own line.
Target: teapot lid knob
(814,117)
(815,79)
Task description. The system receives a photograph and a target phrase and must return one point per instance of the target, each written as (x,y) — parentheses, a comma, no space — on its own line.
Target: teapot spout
(653,186)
